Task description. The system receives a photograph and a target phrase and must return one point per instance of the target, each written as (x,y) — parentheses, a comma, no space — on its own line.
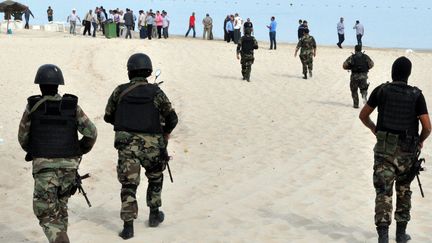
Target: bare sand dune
(279,159)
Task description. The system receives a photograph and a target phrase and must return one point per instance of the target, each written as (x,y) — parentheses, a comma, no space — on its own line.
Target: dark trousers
(50,18)
(118,29)
(273,40)
(159,31)
(143,32)
(359,41)
(341,39)
(128,31)
(165,32)
(230,36)
(237,35)
(94,29)
(27,24)
(193,29)
(87,28)
(149,31)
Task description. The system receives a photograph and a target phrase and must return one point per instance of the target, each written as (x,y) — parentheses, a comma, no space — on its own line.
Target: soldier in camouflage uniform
(359,64)
(245,49)
(143,119)
(48,133)
(400,107)
(307,53)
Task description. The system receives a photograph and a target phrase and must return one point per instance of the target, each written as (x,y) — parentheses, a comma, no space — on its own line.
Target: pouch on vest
(386,143)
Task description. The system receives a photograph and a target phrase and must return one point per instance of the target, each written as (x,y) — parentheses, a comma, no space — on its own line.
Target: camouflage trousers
(246,62)
(307,62)
(51,193)
(131,158)
(392,162)
(355,85)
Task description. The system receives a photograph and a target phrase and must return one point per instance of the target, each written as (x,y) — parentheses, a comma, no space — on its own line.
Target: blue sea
(388,23)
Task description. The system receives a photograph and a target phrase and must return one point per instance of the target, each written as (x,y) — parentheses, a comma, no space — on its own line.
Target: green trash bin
(110,30)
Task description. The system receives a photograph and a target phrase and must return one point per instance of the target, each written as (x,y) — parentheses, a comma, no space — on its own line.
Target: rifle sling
(129,89)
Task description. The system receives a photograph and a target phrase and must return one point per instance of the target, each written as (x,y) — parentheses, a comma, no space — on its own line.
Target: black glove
(28,157)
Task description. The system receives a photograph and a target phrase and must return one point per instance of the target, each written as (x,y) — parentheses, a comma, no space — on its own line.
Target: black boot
(156,217)
(401,236)
(304,76)
(128,230)
(383,234)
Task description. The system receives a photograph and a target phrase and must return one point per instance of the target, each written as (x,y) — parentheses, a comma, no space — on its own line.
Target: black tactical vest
(136,111)
(359,63)
(397,108)
(53,130)
(247,45)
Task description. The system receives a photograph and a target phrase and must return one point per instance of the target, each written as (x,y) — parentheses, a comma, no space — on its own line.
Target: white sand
(280,159)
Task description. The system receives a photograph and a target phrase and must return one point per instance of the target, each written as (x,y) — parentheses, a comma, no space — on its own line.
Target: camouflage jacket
(358,76)
(307,44)
(85,127)
(161,102)
(240,47)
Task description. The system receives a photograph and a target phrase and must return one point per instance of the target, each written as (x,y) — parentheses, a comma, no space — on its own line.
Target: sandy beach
(279,159)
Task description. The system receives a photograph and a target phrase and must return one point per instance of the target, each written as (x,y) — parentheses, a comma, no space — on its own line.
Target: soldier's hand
(420,145)
(166,136)
(238,57)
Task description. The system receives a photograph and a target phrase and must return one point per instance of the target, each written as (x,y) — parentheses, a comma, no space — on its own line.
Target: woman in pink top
(159,24)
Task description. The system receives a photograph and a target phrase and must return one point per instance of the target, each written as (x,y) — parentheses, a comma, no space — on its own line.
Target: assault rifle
(166,158)
(78,184)
(416,169)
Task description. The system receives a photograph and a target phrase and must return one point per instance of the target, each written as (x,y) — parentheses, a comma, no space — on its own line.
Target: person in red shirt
(191,25)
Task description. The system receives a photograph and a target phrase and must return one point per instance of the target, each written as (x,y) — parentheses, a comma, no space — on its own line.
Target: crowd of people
(149,24)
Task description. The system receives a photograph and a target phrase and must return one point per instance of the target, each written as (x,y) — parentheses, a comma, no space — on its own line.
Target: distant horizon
(388,24)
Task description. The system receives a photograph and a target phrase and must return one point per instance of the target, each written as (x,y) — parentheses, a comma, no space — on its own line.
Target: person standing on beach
(136,110)
(230,29)
(238,23)
(300,29)
(27,14)
(129,22)
(400,108)
(50,14)
(272,32)
(166,24)
(208,26)
(341,32)
(359,32)
(72,19)
(48,132)
(191,25)
(94,23)
(87,22)
(245,48)
(159,24)
(248,25)
(308,47)
(226,34)
(150,22)
(359,64)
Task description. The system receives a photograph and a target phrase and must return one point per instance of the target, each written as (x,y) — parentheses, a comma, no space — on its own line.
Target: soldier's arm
(370,62)
(24,130)
(314,46)
(168,113)
(255,43)
(347,64)
(87,129)
(239,46)
(365,117)
(298,47)
(110,108)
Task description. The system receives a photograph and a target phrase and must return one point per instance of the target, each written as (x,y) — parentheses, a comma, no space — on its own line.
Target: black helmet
(49,74)
(248,31)
(139,61)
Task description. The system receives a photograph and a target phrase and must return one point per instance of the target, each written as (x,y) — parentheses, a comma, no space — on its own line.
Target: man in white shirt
(72,19)
(238,23)
(341,32)
(359,32)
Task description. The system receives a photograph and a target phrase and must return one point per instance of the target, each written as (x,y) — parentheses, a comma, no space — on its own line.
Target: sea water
(388,23)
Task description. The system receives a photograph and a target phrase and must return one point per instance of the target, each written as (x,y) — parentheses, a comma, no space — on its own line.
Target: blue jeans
(359,42)
(273,39)
(193,28)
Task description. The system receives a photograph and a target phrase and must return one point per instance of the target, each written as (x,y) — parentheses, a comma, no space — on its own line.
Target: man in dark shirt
(129,22)
(248,25)
(400,107)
